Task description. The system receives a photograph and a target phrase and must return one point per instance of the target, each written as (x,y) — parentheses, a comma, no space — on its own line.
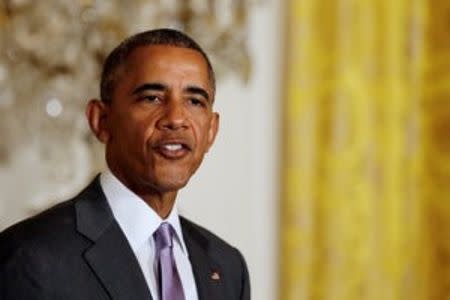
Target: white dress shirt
(139,221)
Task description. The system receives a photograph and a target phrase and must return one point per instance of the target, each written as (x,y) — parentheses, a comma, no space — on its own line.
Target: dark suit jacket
(76,250)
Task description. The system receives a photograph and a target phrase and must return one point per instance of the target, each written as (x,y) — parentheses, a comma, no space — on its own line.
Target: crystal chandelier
(50,60)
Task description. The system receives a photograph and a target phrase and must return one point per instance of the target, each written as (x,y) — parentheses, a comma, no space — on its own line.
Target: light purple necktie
(170,287)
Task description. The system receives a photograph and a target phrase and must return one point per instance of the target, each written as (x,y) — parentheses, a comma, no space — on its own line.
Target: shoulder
(53,229)
(205,237)
(218,249)
(228,258)
(37,253)
(48,229)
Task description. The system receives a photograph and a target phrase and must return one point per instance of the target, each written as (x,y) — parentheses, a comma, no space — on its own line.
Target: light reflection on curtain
(366,160)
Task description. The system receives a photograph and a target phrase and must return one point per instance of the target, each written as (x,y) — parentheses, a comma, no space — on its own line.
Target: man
(122,238)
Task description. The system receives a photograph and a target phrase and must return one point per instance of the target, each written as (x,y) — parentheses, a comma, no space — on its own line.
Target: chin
(171,179)
(171,184)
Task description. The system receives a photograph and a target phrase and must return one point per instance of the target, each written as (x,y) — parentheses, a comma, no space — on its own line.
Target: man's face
(160,121)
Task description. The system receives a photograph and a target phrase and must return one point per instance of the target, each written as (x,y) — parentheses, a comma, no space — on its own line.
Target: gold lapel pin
(215,276)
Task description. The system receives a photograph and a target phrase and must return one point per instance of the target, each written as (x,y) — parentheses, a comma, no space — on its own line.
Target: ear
(96,114)
(213,129)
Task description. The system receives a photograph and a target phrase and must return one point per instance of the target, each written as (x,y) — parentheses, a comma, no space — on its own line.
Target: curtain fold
(366,151)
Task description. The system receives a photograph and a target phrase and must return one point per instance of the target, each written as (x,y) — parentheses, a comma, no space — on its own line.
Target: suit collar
(110,256)
(93,214)
(135,217)
(204,266)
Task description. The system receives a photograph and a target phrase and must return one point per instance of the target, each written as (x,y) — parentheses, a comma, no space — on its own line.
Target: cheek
(134,122)
(203,133)
(131,134)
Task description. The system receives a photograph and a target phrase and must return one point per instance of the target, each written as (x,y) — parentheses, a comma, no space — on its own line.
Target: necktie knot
(163,236)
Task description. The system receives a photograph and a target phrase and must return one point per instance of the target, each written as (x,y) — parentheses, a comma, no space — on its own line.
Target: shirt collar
(137,220)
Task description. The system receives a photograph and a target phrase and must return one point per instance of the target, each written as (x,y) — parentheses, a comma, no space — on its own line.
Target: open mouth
(173,150)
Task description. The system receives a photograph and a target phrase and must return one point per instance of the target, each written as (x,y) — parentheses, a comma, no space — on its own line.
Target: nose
(174,116)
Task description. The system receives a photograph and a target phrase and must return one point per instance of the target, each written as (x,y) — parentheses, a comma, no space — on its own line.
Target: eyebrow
(191,89)
(198,90)
(151,87)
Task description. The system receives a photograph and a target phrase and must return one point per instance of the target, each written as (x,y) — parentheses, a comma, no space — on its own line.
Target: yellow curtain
(366,159)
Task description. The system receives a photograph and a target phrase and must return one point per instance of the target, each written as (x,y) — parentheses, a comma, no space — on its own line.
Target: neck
(162,204)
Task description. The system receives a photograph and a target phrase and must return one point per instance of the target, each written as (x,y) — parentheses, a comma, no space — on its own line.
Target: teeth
(173,147)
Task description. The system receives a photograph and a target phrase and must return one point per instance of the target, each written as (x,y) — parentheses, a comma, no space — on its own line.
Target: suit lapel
(206,271)
(112,259)
(110,256)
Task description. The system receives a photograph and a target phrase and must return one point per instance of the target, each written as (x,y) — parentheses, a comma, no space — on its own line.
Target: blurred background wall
(331,171)
(50,58)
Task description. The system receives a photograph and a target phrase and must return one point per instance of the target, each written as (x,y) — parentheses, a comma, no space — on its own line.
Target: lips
(172,149)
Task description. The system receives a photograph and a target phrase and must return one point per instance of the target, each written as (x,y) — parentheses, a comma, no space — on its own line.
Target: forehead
(161,61)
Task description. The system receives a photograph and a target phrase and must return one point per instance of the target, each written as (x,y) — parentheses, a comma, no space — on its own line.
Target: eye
(151,98)
(197,102)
